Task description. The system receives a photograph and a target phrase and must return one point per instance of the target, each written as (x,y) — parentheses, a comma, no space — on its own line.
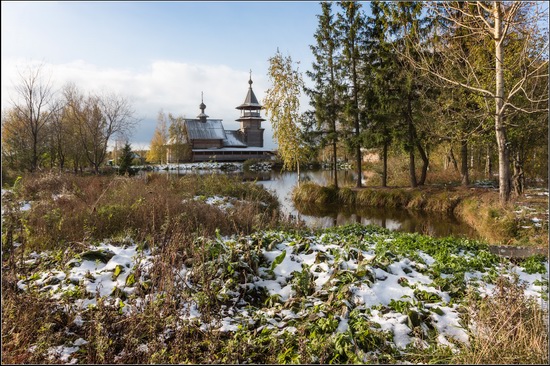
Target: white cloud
(174,87)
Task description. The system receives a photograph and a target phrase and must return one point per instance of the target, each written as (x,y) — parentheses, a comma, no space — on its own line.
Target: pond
(282,184)
(435,225)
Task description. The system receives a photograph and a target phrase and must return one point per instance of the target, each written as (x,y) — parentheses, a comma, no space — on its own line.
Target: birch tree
(282,105)
(16,144)
(158,149)
(506,25)
(99,119)
(71,145)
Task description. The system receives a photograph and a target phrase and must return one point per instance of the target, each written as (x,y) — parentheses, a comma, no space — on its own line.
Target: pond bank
(478,207)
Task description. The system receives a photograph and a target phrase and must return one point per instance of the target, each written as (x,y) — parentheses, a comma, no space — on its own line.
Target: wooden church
(208,140)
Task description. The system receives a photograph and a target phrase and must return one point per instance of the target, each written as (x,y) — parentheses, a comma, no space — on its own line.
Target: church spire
(250,101)
(202,116)
(251,120)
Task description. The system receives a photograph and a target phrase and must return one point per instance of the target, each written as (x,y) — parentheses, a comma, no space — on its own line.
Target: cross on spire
(202,116)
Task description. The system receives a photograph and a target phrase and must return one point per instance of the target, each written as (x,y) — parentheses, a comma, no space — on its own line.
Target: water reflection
(282,184)
(435,225)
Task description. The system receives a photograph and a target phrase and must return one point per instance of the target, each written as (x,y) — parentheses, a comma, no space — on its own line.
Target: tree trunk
(464,162)
(385,165)
(359,170)
(423,156)
(518,178)
(412,168)
(453,159)
(298,171)
(335,164)
(425,163)
(500,128)
(358,158)
(34,159)
(488,164)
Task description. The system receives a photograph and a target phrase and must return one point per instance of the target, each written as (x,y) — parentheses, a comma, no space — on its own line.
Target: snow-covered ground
(364,273)
(396,281)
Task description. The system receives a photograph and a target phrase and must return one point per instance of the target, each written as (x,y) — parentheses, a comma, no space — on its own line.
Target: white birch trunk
(500,128)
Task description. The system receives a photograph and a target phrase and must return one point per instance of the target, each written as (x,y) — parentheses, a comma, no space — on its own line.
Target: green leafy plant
(534,264)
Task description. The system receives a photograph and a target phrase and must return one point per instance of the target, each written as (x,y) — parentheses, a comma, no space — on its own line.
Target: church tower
(202,116)
(251,131)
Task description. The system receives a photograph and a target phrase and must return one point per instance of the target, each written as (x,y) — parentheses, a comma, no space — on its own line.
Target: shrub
(510,327)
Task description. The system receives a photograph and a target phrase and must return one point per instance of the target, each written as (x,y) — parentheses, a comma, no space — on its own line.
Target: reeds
(428,199)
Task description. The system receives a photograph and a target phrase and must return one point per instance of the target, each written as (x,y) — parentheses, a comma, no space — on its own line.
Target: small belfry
(250,119)
(202,116)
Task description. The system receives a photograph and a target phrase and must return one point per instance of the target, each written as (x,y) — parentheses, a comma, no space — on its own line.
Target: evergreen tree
(325,97)
(407,26)
(125,160)
(351,28)
(384,104)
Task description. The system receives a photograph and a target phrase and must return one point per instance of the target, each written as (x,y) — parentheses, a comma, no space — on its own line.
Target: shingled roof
(233,139)
(212,129)
(250,102)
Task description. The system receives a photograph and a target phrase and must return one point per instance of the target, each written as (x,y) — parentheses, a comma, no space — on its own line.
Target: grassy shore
(478,207)
(204,269)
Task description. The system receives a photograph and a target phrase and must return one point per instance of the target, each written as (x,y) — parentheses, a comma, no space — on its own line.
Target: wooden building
(209,141)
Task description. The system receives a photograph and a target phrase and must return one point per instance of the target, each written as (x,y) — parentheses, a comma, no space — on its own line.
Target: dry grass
(160,211)
(156,333)
(510,328)
(398,172)
(493,222)
(69,212)
(30,319)
(70,209)
(313,193)
(424,198)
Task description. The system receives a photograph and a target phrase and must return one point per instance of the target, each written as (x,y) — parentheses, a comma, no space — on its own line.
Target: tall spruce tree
(325,96)
(125,164)
(406,26)
(351,29)
(385,104)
